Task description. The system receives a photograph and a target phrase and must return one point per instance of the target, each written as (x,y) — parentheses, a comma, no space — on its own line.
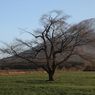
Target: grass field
(67,83)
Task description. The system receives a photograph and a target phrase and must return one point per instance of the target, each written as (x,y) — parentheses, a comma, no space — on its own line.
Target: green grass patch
(67,83)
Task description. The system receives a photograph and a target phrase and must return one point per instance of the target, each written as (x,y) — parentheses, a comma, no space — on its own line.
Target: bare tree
(55,38)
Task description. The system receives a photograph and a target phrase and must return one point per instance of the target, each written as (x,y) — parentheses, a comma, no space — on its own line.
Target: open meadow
(67,83)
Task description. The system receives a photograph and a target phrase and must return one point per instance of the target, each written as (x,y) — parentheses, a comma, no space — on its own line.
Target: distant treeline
(67,66)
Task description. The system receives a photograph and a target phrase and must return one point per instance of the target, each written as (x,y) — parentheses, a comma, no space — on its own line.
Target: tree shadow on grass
(19,81)
(32,81)
(38,81)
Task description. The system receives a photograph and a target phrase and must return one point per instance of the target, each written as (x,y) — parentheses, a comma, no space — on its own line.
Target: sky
(25,14)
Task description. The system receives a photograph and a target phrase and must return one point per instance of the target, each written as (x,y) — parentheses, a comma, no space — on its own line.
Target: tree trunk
(51,76)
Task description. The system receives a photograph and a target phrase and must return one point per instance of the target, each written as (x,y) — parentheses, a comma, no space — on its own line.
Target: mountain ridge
(14,58)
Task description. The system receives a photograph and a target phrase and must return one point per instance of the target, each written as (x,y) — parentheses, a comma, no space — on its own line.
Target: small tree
(55,43)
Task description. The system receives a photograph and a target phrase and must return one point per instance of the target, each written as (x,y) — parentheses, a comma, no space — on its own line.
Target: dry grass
(15,72)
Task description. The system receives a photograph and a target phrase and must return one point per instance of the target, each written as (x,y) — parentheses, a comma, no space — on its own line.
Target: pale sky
(23,14)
